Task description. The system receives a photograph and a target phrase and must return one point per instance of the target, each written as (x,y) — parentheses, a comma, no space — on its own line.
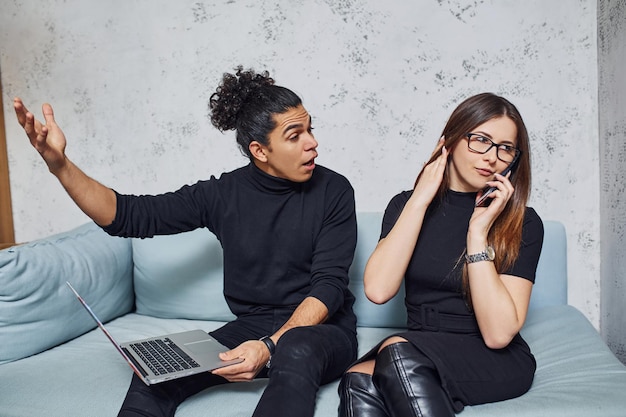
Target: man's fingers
(27,120)
(20,110)
(30,125)
(48,113)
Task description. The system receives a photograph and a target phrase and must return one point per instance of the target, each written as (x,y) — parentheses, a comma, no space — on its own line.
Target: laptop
(172,356)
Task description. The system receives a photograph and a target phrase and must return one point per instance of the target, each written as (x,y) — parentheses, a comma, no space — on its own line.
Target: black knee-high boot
(409,383)
(358,397)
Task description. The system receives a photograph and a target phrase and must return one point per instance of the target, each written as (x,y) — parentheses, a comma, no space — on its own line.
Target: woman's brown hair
(506,234)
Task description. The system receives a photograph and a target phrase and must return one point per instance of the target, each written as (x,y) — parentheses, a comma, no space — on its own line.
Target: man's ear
(258,151)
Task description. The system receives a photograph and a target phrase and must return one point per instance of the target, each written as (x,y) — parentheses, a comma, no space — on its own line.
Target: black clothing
(305,358)
(409,383)
(282,242)
(161,400)
(434,273)
(440,323)
(359,397)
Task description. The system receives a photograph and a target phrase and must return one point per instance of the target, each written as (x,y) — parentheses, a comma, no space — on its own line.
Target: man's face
(292,147)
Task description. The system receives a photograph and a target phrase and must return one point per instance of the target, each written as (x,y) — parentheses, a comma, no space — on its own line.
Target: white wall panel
(130,81)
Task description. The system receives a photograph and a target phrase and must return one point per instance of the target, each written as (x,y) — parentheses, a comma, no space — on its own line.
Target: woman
(468,271)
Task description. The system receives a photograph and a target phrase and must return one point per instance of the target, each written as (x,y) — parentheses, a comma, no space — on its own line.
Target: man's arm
(94,199)
(311,311)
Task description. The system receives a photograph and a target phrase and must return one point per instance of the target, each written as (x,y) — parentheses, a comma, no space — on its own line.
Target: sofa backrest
(551,281)
(180,276)
(550,284)
(177,276)
(393,312)
(37,309)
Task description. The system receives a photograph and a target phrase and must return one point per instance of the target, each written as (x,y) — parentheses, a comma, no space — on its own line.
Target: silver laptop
(163,358)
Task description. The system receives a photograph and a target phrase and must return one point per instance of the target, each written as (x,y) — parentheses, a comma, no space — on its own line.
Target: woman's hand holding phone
(484,200)
(484,216)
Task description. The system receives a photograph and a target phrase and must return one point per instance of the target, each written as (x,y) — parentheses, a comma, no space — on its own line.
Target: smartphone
(483,201)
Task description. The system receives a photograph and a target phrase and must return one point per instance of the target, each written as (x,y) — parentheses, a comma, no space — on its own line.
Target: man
(288,230)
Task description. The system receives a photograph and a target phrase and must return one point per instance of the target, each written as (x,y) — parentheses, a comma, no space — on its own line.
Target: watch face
(491,254)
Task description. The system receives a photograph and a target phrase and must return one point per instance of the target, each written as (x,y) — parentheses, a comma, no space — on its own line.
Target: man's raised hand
(48,139)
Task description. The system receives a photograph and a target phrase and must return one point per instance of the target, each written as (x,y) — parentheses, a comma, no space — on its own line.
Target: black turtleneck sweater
(283,241)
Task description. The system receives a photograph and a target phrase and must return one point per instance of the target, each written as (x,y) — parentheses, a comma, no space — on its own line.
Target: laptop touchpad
(202,346)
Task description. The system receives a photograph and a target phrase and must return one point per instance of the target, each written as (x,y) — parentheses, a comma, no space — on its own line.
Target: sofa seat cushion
(576,374)
(85,377)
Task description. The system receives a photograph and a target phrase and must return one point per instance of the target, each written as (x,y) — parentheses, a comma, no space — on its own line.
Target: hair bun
(232,95)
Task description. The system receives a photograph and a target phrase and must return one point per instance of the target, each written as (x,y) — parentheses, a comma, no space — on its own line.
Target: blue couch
(54,364)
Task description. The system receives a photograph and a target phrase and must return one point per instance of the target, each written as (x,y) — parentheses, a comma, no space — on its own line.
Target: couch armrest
(550,287)
(38,311)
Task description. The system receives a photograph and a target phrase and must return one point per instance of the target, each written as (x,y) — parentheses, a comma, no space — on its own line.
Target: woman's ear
(451,148)
(258,151)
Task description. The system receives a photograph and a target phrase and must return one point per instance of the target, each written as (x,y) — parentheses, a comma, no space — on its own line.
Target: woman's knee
(390,341)
(366,367)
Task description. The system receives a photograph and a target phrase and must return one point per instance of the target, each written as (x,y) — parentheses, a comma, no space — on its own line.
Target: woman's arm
(500,301)
(387,265)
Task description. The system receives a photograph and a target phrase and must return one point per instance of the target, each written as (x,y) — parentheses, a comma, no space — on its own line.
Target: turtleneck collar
(460,199)
(269,183)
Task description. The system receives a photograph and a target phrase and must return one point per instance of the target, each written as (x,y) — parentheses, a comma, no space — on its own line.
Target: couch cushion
(38,311)
(577,376)
(180,276)
(550,287)
(393,312)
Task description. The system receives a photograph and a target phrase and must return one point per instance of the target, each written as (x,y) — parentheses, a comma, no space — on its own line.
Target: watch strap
(487,255)
(271,346)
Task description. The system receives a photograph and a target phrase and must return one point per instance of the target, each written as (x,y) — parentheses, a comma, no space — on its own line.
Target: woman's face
(469,171)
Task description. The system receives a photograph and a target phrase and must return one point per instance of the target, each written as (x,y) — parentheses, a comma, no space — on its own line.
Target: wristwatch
(487,255)
(270,346)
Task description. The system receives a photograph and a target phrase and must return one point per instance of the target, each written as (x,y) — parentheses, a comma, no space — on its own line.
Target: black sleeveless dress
(440,322)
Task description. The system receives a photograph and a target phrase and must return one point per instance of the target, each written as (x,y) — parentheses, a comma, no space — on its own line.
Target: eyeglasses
(481,144)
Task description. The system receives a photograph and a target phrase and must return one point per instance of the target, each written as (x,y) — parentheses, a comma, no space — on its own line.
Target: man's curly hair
(246,102)
(231,94)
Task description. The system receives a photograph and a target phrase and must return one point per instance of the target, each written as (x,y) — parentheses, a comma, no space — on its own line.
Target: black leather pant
(305,358)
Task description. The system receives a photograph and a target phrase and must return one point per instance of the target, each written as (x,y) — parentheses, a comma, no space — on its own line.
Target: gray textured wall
(612,111)
(130,83)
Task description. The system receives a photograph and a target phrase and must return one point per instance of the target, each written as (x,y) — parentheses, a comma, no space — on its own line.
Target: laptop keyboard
(163,356)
